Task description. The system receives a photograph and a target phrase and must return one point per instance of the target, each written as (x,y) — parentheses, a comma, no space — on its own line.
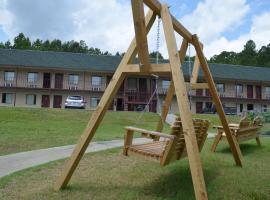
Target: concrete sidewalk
(19,161)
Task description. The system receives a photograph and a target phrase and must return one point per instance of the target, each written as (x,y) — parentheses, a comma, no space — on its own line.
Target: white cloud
(259,32)
(108,25)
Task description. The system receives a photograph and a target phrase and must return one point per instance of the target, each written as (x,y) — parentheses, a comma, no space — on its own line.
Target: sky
(222,25)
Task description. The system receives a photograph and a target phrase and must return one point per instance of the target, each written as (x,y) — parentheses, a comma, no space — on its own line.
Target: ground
(24,129)
(109,175)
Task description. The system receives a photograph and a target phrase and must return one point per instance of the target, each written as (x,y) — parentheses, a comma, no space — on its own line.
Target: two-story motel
(45,79)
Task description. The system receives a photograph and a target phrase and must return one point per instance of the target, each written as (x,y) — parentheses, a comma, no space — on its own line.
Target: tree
(263,58)
(249,54)
(225,57)
(22,42)
(55,45)
(46,46)
(2,45)
(8,45)
(37,44)
(154,55)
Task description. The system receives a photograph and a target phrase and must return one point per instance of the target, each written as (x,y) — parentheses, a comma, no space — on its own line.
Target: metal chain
(158,40)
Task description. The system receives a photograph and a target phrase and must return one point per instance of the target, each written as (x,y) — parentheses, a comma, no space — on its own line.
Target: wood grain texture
(184,108)
(140,33)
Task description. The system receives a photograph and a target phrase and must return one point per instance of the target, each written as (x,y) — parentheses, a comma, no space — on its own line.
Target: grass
(24,129)
(109,175)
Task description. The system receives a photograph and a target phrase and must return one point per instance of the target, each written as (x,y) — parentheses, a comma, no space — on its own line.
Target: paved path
(19,161)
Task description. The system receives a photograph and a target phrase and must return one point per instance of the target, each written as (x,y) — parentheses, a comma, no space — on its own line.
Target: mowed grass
(109,175)
(23,129)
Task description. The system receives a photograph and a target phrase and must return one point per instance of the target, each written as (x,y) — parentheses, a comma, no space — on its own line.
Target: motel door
(250,91)
(57,101)
(45,101)
(199,107)
(258,92)
(58,81)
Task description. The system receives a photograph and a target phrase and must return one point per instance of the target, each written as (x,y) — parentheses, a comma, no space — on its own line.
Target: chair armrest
(151,133)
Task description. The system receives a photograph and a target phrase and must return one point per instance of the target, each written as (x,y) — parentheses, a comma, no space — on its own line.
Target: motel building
(45,79)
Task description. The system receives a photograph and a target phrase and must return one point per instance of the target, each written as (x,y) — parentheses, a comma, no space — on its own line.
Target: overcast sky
(107,24)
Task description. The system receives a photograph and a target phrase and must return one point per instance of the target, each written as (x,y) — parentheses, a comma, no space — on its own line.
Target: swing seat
(170,147)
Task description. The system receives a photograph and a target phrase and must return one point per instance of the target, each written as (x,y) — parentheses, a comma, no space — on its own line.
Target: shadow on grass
(245,149)
(177,184)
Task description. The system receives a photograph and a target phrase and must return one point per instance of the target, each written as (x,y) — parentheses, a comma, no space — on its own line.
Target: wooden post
(171,91)
(140,32)
(208,77)
(100,111)
(183,103)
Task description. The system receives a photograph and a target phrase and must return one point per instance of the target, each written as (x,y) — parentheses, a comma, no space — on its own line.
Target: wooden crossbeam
(183,104)
(212,88)
(140,33)
(195,86)
(100,111)
(153,68)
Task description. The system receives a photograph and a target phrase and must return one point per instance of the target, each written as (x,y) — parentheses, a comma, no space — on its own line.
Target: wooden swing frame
(177,86)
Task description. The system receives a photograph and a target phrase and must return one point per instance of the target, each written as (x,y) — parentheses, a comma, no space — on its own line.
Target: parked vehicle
(75,102)
(227,110)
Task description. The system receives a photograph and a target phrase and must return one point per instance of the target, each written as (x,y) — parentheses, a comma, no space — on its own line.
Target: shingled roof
(86,62)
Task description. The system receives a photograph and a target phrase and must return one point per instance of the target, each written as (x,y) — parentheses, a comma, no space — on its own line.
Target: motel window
(32,77)
(165,84)
(9,76)
(31,99)
(96,80)
(132,83)
(267,90)
(239,88)
(264,108)
(94,102)
(220,87)
(7,98)
(73,79)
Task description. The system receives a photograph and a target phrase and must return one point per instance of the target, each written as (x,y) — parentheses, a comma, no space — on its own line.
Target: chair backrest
(244,122)
(257,121)
(201,127)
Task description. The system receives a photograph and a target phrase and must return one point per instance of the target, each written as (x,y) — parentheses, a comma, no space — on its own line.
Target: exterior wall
(20,88)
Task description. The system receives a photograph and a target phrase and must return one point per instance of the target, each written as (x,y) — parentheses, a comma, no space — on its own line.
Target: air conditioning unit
(221,94)
(7,84)
(96,88)
(73,87)
(240,96)
(32,85)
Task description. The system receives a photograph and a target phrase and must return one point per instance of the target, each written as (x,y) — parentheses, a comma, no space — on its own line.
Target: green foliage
(248,56)
(23,42)
(266,117)
(154,55)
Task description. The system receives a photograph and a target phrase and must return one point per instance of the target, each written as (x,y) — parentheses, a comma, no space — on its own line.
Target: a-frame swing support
(173,68)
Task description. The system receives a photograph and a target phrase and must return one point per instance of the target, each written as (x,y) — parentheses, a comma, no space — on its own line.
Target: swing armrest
(148,133)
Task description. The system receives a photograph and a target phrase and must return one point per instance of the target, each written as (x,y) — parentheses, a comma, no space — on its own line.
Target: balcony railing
(52,84)
(136,96)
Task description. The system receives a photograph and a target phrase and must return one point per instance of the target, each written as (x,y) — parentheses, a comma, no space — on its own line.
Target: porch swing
(164,148)
(187,135)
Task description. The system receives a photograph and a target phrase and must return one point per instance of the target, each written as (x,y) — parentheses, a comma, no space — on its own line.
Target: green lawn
(109,175)
(23,129)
